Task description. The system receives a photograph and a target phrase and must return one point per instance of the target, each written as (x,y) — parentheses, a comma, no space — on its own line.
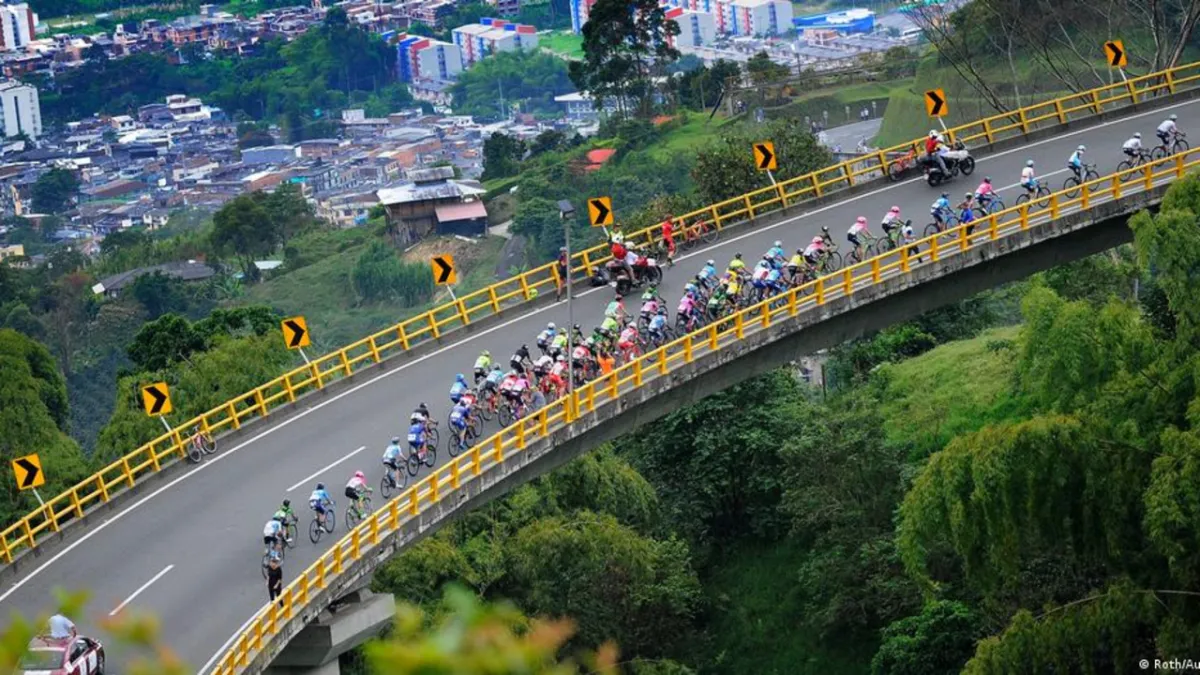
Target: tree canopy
(528,80)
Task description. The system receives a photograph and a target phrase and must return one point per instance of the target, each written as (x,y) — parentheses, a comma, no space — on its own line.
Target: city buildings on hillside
(17,26)
(476,42)
(743,17)
(696,29)
(20,112)
(421,58)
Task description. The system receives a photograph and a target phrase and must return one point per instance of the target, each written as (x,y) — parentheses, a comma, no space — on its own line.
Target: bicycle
(990,203)
(200,444)
(464,440)
(1072,183)
(1041,194)
(388,482)
(949,220)
(699,232)
(414,460)
(316,528)
(1128,164)
(896,169)
(890,240)
(290,531)
(1178,145)
(488,409)
(355,516)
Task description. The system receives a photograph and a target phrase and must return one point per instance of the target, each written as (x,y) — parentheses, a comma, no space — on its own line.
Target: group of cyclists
(529,382)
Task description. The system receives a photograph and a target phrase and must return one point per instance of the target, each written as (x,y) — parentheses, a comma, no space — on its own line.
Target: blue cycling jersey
(457,389)
(967,215)
(318,497)
(458,416)
(776,252)
(708,271)
(658,322)
(416,434)
(495,376)
(1076,160)
(391,452)
(941,203)
(773,276)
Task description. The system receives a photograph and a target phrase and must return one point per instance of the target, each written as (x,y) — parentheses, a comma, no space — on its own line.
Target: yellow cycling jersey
(735,265)
(796,261)
(734,287)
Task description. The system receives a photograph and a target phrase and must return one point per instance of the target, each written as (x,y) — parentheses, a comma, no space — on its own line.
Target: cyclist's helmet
(395,440)
(1174,117)
(1081,148)
(562,249)
(577,328)
(459,378)
(987,179)
(1137,134)
(895,209)
(709,262)
(320,486)
(618,297)
(738,255)
(287,503)
(800,251)
(496,366)
(561,358)
(485,353)
(359,474)
(1029,163)
(968,195)
(861,219)
(778,244)
(590,342)
(423,408)
(933,133)
(550,326)
(662,310)
(825,229)
(945,195)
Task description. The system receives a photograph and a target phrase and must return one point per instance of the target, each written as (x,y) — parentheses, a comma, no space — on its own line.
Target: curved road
(189,552)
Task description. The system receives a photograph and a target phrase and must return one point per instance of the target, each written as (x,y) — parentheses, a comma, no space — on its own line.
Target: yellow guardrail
(507,444)
(151,457)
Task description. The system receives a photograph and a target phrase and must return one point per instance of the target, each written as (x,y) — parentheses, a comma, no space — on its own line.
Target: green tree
(762,69)
(54,190)
(160,293)
(164,342)
(725,168)
(529,78)
(938,641)
(33,419)
(624,44)
(245,229)
(501,156)
(379,274)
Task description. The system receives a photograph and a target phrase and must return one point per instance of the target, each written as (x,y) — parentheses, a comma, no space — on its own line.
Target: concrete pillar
(356,618)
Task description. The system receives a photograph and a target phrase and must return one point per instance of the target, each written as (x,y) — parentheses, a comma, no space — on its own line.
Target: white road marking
(483,333)
(143,587)
(321,471)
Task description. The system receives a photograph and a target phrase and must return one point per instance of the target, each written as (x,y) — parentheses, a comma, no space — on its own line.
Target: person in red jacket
(668,235)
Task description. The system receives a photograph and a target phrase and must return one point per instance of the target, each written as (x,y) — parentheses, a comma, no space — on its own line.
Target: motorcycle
(645,270)
(957,161)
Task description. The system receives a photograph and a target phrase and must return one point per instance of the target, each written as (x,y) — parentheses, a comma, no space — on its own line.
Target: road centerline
(318,472)
(140,589)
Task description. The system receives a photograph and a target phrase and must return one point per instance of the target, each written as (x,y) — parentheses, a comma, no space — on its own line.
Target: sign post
(156,401)
(600,213)
(295,335)
(28,472)
(1114,51)
(936,105)
(444,273)
(765,158)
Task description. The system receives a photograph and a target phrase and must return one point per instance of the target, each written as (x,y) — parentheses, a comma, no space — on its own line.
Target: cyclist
(814,252)
(520,392)
(420,414)
(736,266)
(319,501)
(558,346)
(1133,147)
(658,325)
(273,536)
(542,366)
(616,309)
(890,221)
(458,422)
(651,293)
(985,193)
(687,308)
(1075,162)
(795,264)
(778,255)
(417,439)
(717,301)
(546,337)
(649,307)
(520,359)
(966,214)
(859,227)
(283,514)
(627,343)
(458,388)
(494,377)
(1167,130)
(708,274)
(910,237)
(356,487)
(482,364)
(581,358)
(391,460)
(1028,180)
(554,379)
(608,331)
(758,278)
(939,209)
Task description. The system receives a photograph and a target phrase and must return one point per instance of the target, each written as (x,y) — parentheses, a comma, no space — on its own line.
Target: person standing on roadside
(275,579)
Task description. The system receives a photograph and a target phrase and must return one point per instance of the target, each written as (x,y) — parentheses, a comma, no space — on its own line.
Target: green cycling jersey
(483,363)
(610,324)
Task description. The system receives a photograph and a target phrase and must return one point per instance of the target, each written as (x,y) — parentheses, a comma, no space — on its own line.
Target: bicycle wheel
(1021,199)
(1090,176)
(315,531)
(430,459)
(505,415)
(883,245)
(385,486)
(1127,165)
(194,453)
(352,518)
(1180,146)
(709,233)
(895,171)
(932,228)
(1159,152)
(291,534)
(995,205)
(1071,186)
(434,437)
(833,262)
(1043,196)
(208,444)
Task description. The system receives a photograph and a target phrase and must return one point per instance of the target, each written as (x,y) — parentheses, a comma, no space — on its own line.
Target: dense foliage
(526,81)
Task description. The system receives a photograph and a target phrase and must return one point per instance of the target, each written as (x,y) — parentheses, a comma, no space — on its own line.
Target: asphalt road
(189,552)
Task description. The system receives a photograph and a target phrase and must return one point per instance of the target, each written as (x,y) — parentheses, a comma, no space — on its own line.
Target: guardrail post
(637,376)
(260,402)
(433,325)
(687,349)
(1179,165)
(994,226)
(1054,205)
(712,336)
(1171,80)
(820,290)
(520,425)
(987,129)
(904,259)
(356,542)
(1024,120)
(782,195)
(587,263)
(1148,171)
(848,280)
(495,299)
(875,270)
(792,309)
(454,471)
(403,336)
(435,492)
(935,247)
(716,217)
(1116,187)
(413,505)
(1096,101)
(374,348)
(964,239)
(314,369)
(1132,92)
(524,286)
(102,486)
(749,206)
(476,461)
(739,326)
(287,386)
(1058,110)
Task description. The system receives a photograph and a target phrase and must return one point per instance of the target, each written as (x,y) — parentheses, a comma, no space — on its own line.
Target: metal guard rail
(507,444)
(151,457)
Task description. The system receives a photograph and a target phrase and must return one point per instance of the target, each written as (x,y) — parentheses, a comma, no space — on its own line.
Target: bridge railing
(510,293)
(507,445)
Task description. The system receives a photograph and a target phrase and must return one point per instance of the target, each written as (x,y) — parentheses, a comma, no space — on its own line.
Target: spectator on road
(275,579)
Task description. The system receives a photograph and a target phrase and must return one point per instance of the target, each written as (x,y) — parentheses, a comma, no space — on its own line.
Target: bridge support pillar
(354,619)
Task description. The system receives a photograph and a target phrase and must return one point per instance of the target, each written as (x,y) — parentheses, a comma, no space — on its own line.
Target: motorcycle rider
(934,147)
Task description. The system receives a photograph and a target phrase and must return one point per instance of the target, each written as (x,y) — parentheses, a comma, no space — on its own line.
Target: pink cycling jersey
(650,307)
(985,188)
(686,305)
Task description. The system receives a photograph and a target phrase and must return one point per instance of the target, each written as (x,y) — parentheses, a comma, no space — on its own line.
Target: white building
(16,26)
(20,111)
(744,17)
(490,36)
(696,29)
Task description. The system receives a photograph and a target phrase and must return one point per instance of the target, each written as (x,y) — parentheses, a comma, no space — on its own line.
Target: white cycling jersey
(1167,127)
(1027,175)
(271,528)
(1132,144)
